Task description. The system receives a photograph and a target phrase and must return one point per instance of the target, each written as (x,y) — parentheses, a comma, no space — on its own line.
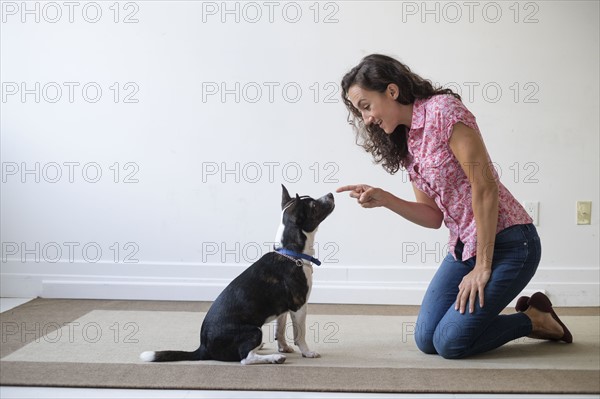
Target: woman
(404,122)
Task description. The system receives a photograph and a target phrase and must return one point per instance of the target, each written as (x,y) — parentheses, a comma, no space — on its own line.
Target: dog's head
(305,212)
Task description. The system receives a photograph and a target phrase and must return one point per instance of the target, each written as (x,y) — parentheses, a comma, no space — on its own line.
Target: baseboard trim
(377,285)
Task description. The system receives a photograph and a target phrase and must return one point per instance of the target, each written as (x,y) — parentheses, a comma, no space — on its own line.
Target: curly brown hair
(375,72)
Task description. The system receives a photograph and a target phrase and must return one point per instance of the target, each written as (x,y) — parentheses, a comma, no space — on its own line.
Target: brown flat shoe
(522,304)
(541,302)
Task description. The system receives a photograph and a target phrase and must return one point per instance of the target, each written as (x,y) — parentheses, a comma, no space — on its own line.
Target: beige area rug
(86,343)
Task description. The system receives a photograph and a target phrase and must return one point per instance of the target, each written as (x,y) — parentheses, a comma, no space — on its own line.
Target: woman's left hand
(471,286)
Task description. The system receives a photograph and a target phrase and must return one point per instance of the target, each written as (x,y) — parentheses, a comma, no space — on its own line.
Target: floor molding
(386,285)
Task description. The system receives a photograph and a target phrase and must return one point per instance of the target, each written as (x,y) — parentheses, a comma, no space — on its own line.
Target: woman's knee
(424,340)
(444,345)
(450,346)
(448,351)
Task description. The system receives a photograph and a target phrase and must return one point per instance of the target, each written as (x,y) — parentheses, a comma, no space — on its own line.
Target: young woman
(405,122)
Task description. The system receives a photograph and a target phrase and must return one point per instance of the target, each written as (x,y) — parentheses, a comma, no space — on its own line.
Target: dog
(278,283)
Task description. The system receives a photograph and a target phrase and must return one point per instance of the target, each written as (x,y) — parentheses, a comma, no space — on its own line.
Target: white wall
(188,76)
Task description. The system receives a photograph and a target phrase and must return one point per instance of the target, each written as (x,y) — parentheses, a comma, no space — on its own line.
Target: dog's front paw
(278,359)
(286,349)
(253,358)
(310,354)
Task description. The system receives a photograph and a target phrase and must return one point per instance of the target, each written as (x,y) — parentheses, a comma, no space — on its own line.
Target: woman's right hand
(367,196)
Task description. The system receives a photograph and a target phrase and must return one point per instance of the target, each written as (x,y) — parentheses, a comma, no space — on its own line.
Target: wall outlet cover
(584,212)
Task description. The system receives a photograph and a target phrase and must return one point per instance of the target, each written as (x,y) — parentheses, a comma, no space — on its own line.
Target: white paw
(310,354)
(286,349)
(278,359)
(253,358)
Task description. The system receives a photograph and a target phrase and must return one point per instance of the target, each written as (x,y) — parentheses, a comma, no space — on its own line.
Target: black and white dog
(278,282)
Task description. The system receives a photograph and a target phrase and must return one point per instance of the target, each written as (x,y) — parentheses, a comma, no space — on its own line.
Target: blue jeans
(443,330)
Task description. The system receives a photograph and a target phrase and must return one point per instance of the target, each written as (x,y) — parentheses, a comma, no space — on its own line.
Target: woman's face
(377,108)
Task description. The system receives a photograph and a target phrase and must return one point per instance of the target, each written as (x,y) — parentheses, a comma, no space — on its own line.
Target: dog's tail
(173,356)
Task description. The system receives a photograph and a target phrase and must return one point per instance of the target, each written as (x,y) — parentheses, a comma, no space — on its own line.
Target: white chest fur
(308,249)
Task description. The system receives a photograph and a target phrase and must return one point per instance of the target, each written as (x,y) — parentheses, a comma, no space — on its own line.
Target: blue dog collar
(298,255)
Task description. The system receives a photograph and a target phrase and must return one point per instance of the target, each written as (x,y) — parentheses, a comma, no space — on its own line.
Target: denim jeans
(445,331)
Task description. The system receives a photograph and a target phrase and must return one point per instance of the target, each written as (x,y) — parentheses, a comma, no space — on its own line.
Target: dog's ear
(285,196)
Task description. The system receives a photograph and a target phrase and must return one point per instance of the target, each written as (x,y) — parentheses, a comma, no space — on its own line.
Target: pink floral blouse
(435,171)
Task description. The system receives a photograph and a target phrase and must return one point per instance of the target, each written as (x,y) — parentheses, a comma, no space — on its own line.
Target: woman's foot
(545,323)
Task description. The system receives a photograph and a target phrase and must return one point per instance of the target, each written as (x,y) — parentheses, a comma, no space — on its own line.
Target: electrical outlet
(584,212)
(533,209)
